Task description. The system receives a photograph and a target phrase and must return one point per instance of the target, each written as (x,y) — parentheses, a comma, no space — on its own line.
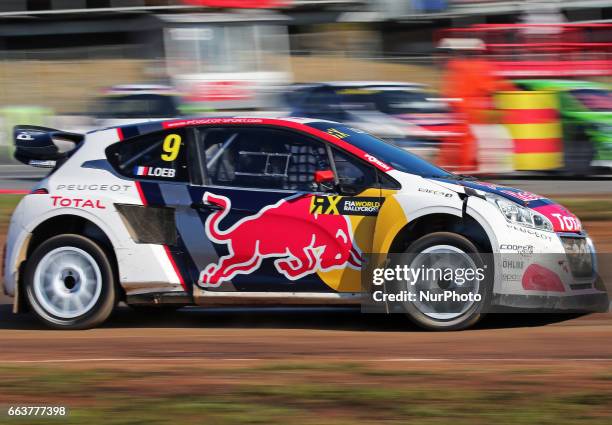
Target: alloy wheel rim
(443,256)
(67,282)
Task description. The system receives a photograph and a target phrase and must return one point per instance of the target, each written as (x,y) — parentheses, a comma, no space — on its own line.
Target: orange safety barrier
(532,118)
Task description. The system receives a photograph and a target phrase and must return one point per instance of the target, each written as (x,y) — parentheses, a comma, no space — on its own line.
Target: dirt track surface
(309,366)
(230,335)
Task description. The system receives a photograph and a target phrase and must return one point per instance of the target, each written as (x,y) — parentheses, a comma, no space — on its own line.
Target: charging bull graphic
(301,242)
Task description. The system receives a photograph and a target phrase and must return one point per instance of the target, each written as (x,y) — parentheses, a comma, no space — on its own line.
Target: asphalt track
(19,177)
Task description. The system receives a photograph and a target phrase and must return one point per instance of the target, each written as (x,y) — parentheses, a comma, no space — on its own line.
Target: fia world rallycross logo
(345,205)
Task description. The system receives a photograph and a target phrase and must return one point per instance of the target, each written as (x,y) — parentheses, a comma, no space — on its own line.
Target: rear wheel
(578,151)
(70,283)
(439,251)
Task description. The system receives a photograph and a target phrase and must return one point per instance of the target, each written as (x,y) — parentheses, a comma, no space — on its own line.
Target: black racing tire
(578,151)
(84,270)
(475,312)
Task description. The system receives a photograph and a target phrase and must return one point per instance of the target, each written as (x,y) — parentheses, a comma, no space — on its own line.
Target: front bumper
(591,303)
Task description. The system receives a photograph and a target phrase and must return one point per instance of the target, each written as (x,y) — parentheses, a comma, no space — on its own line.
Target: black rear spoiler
(42,146)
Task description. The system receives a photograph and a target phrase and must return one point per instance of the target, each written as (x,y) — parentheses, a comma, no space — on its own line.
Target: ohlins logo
(512,264)
(341,205)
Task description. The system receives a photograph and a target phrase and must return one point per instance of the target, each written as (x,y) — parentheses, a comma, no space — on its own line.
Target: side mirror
(324,176)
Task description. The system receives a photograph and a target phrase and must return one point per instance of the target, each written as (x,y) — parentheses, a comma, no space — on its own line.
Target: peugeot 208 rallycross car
(247,210)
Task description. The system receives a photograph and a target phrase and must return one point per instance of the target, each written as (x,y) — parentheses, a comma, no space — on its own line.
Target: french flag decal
(141,171)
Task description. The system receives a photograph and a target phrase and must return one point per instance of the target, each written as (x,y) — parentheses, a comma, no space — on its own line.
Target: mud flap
(18,303)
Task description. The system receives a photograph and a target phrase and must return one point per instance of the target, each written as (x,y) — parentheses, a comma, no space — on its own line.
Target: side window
(262,158)
(156,156)
(353,173)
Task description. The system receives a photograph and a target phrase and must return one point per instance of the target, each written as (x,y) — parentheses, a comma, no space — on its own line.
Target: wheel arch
(56,225)
(68,223)
(443,221)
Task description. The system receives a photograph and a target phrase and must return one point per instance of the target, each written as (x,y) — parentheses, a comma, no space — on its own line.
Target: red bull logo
(302,242)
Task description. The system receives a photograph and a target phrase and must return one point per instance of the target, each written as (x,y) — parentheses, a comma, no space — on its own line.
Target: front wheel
(445,300)
(70,283)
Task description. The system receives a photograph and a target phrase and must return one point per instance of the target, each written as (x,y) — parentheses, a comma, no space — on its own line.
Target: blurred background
(513,90)
(501,88)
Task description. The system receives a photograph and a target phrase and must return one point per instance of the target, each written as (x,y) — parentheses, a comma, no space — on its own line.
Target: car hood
(562,219)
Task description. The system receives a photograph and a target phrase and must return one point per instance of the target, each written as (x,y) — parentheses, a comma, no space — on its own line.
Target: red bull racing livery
(279,211)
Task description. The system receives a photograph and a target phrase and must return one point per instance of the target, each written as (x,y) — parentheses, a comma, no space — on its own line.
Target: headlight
(520,215)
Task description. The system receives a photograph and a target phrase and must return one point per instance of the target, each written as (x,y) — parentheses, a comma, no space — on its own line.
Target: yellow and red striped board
(532,118)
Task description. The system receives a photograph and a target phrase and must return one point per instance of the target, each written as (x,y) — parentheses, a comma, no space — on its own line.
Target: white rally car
(278,211)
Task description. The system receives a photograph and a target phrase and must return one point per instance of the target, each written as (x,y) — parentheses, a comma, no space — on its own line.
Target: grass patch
(303,367)
(528,371)
(260,398)
(398,373)
(7,205)
(52,381)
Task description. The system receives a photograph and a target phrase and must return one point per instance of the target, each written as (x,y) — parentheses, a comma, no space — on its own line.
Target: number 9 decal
(171,147)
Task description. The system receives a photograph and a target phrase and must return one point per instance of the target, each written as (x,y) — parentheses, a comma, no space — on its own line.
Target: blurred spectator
(471,82)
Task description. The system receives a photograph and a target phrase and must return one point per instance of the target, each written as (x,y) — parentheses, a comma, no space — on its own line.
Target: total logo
(561,219)
(62,201)
(567,223)
(154,171)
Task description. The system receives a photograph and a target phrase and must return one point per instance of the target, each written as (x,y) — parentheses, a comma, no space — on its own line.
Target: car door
(270,212)
(359,199)
(159,164)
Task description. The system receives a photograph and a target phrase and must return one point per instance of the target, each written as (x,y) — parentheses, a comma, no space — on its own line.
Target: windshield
(598,100)
(392,101)
(397,158)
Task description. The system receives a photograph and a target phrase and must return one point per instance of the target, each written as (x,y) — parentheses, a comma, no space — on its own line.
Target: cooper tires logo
(525,250)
